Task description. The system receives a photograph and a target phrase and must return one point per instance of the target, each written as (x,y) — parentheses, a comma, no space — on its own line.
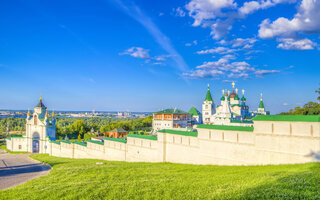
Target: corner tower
(208,107)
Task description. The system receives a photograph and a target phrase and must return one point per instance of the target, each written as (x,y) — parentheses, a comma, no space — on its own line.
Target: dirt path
(16,169)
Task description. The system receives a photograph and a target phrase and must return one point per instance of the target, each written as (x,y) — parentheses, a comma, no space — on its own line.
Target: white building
(39,131)
(231,111)
(170,119)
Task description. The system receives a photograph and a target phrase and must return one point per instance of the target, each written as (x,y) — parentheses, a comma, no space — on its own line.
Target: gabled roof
(171,111)
(119,130)
(288,118)
(193,111)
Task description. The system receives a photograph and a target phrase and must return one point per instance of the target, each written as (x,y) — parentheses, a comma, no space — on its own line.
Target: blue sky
(117,55)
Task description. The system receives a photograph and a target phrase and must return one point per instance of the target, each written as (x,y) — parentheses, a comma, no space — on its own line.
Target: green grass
(84,179)
(3,146)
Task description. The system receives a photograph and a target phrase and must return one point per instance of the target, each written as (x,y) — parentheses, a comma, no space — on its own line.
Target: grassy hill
(85,179)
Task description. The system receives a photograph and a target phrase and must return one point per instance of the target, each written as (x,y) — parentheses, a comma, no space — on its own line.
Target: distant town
(80,114)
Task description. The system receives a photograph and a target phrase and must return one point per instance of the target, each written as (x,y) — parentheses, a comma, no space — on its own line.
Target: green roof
(115,139)
(96,142)
(80,143)
(52,141)
(243,98)
(226,128)
(289,118)
(235,105)
(242,121)
(177,132)
(193,111)
(208,96)
(236,97)
(148,137)
(65,141)
(171,111)
(261,105)
(223,98)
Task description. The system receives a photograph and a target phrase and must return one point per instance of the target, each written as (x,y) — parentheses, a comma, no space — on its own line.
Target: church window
(20,147)
(35,120)
(206,106)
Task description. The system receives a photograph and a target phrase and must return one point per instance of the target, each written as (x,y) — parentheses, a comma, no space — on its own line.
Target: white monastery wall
(271,142)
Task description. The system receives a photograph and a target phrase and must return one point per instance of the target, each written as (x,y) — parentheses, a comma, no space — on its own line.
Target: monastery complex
(227,134)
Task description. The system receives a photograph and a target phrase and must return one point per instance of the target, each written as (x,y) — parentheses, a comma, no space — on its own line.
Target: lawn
(85,179)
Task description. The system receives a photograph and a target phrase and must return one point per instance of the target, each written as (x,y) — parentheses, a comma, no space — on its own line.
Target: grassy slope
(84,179)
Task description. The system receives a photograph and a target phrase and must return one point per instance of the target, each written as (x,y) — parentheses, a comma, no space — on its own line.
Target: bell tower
(208,108)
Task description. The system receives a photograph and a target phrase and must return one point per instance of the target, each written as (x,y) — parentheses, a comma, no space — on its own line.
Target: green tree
(79,138)
(318,91)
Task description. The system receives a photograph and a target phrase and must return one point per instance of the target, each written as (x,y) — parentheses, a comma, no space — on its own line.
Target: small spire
(40,97)
(233,84)
(46,113)
(223,92)
(208,86)
(228,92)
(243,92)
(52,112)
(261,96)
(28,115)
(236,90)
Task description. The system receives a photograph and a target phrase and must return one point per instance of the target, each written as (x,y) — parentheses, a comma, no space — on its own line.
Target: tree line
(311,108)
(76,126)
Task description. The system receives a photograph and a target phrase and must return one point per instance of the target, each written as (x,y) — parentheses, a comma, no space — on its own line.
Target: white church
(40,129)
(231,111)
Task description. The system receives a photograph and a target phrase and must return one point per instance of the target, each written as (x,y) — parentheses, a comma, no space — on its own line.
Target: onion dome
(40,104)
(223,98)
(236,97)
(243,98)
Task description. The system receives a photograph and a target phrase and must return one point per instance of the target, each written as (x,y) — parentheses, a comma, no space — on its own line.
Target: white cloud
(246,43)
(285,104)
(137,52)
(217,50)
(203,10)
(305,21)
(194,42)
(296,44)
(179,12)
(261,72)
(224,68)
(252,6)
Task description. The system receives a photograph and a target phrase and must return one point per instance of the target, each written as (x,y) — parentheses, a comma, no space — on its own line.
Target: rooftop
(289,118)
(226,128)
(171,111)
(193,111)
(177,132)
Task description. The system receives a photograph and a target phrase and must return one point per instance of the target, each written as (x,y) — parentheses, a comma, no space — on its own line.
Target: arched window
(206,106)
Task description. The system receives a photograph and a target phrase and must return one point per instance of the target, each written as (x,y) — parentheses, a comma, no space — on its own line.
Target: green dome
(236,97)
(223,98)
(228,98)
(243,99)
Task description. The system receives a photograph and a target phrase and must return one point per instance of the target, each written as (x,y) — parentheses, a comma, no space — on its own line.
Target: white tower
(208,108)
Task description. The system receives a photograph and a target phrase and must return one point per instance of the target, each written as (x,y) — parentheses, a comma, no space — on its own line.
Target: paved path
(16,169)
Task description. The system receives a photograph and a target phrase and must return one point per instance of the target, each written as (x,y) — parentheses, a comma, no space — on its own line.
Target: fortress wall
(180,148)
(271,142)
(66,150)
(16,142)
(142,150)
(115,151)
(80,151)
(55,150)
(95,151)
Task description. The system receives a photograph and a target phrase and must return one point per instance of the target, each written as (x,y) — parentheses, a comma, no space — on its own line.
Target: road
(16,169)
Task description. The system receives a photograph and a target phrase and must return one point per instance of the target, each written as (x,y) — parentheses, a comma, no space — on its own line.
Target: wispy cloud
(137,14)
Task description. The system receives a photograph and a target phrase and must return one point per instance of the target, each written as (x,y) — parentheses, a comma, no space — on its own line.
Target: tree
(318,91)
(79,137)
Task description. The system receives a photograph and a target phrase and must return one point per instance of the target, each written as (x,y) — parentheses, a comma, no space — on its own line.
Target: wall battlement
(271,140)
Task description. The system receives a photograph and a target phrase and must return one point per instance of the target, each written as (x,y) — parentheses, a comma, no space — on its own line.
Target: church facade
(40,129)
(231,111)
